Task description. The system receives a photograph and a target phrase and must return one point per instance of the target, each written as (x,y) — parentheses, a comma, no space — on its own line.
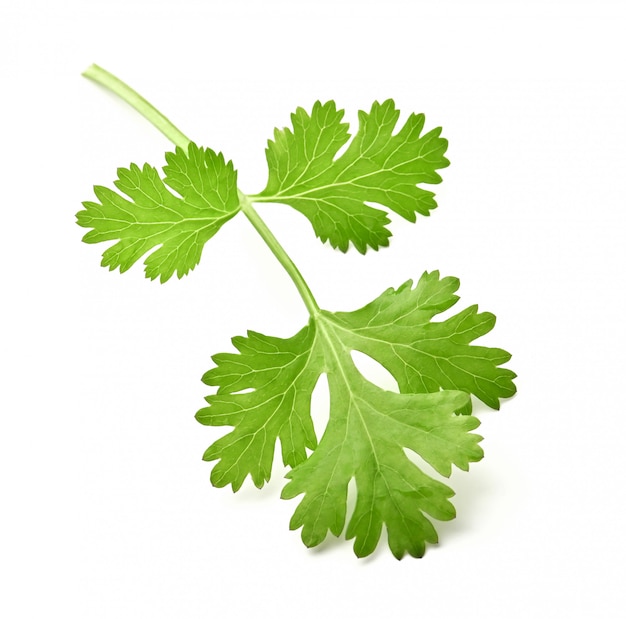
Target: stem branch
(280,254)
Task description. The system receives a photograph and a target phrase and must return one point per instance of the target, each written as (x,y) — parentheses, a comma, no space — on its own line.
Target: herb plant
(264,389)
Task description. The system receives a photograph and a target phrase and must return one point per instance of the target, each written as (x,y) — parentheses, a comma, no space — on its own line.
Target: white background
(107,509)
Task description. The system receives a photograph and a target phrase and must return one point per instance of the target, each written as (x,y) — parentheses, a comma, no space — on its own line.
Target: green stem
(281,255)
(149,112)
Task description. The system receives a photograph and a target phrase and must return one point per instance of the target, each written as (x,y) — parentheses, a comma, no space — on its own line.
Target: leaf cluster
(264,389)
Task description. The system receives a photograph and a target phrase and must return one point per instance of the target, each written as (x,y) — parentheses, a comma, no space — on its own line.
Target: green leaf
(378,166)
(264,392)
(365,440)
(146,215)
(277,377)
(424,356)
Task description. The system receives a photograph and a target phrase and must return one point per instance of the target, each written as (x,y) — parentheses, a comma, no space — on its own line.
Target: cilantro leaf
(281,374)
(377,166)
(424,356)
(146,214)
(264,392)
(364,440)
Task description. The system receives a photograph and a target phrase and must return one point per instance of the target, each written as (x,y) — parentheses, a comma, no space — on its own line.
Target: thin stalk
(281,255)
(150,113)
(146,109)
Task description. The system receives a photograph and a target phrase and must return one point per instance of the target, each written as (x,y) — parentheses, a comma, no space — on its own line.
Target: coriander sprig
(264,389)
